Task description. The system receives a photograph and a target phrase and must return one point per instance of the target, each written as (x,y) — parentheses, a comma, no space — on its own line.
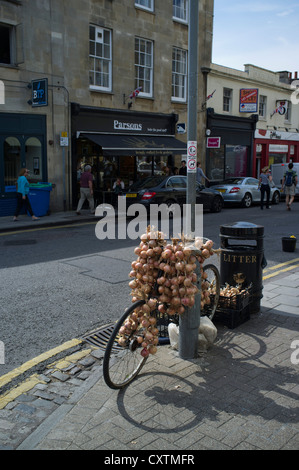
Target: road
(59,283)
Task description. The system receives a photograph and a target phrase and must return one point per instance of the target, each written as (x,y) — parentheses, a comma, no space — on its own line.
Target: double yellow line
(287,266)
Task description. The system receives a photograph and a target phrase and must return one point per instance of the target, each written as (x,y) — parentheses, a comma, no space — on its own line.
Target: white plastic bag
(207,334)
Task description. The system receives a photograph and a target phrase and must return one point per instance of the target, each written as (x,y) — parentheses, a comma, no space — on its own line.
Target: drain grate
(100,337)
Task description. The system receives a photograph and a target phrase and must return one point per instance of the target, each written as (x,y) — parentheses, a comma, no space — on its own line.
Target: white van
(278,170)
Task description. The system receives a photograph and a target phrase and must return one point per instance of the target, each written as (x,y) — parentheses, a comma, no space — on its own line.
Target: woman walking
(22,195)
(264,185)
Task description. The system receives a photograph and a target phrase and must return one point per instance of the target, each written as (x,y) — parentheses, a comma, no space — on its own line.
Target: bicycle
(123,362)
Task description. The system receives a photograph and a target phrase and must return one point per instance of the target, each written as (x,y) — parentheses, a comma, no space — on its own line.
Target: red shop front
(274,146)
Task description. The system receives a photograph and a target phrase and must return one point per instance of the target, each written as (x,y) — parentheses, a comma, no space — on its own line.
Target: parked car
(244,191)
(171,190)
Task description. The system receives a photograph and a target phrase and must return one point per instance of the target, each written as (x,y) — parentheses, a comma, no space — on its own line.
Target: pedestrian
(264,186)
(22,195)
(183,169)
(167,171)
(200,174)
(175,170)
(86,190)
(289,182)
(118,188)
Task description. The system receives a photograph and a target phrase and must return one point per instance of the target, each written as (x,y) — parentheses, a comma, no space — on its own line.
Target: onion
(144,352)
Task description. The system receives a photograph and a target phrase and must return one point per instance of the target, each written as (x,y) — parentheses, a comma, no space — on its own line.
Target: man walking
(289,182)
(200,174)
(86,190)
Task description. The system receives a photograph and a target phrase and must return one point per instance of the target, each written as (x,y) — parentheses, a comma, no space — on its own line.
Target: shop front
(229,149)
(274,146)
(22,145)
(121,144)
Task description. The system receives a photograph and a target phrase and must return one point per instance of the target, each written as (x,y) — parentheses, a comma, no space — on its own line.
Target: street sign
(64,140)
(191,156)
(39,92)
(213,142)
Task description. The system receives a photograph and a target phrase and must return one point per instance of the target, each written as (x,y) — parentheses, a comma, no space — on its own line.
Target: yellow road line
(39,229)
(34,379)
(281,264)
(5,379)
(280,271)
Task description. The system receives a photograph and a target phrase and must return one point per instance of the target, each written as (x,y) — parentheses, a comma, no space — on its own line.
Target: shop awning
(113,144)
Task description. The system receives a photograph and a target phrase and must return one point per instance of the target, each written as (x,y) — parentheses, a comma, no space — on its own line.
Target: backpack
(289,178)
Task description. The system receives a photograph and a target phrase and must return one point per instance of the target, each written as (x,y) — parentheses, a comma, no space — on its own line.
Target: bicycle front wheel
(122,359)
(212,278)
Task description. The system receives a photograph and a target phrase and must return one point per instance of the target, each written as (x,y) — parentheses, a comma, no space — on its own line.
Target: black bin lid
(242,229)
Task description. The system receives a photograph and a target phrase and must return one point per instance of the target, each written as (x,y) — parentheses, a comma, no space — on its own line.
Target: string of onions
(172,266)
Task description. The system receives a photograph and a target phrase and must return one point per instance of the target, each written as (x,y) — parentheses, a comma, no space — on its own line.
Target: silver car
(245,191)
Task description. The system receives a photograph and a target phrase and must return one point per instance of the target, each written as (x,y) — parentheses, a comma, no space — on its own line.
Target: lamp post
(189,321)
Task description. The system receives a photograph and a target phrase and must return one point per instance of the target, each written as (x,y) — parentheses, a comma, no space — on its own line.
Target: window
(263,106)
(7,39)
(227,99)
(146,4)
(33,155)
(100,58)
(12,161)
(144,66)
(179,74)
(287,115)
(177,182)
(180,10)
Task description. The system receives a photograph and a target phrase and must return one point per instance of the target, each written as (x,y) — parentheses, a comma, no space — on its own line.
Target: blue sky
(264,33)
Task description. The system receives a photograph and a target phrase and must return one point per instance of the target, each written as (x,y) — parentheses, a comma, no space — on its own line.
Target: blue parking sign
(40,92)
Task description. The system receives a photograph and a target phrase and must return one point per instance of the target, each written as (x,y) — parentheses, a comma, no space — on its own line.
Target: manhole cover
(100,337)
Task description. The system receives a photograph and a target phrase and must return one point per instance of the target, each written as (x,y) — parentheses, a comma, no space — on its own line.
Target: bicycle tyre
(122,364)
(213,278)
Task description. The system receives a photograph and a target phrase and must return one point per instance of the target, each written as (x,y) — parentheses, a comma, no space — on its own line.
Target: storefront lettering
(127,126)
(239,258)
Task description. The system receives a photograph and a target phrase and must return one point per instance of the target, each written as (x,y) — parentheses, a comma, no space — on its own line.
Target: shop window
(33,155)
(12,162)
(100,58)
(215,164)
(144,66)
(180,10)
(236,157)
(146,4)
(179,74)
(227,161)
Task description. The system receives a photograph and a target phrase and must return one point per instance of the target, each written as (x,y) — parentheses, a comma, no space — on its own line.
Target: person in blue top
(22,195)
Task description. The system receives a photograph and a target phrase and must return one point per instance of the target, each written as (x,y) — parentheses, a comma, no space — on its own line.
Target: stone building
(252,120)
(102,82)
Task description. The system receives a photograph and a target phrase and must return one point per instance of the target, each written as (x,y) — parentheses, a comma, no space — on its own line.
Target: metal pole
(190,320)
(192,101)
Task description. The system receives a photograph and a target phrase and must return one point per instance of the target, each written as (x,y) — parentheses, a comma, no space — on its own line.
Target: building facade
(252,121)
(102,82)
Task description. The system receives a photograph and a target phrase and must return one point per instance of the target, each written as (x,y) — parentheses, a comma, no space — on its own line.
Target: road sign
(64,140)
(191,156)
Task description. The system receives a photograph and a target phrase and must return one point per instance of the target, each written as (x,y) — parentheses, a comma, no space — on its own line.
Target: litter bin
(39,197)
(242,258)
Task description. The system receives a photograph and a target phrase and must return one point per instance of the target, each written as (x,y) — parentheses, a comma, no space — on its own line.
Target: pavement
(240,394)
